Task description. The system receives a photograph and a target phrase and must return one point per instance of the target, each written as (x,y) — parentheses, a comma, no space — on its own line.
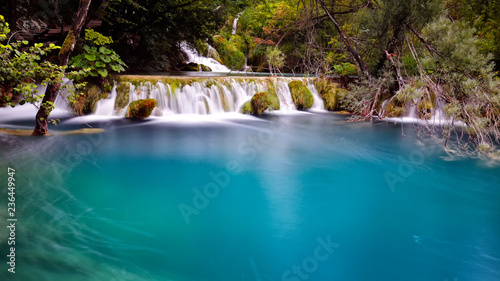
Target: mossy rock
(205,68)
(122,95)
(190,67)
(247,108)
(264,100)
(301,96)
(141,109)
(330,93)
(330,100)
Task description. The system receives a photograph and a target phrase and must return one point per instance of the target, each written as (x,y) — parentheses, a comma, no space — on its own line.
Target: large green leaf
(90,57)
(106,59)
(104,50)
(99,64)
(103,72)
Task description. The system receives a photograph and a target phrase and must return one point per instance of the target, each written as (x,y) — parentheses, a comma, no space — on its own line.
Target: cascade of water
(206,97)
(212,52)
(29,111)
(437,114)
(284,95)
(106,107)
(235,25)
(318,101)
(412,110)
(198,59)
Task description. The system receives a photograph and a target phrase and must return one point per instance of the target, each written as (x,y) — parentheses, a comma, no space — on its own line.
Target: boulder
(247,108)
(140,109)
(301,96)
(264,100)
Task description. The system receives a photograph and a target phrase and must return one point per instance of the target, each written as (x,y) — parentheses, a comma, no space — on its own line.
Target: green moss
(264,100)
(394,110)
(330,93)
(301,96)
(141,109)
(122,95)
(205,68)
(86,100)
(247,108)
(330,100)
(68,42)
(229,52)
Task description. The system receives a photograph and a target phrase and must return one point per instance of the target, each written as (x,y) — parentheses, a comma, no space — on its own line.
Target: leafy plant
(275,58)
(345,69)
(24,68)
(97,58)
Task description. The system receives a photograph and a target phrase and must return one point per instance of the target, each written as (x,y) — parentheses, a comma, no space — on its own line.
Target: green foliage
(483,16)
(4,30)
(229,53)
(301,96)
(84,101)
(345,69)
(23,68)
(97,38)
(98,59)
(275,58)
(457,46)
(147,33)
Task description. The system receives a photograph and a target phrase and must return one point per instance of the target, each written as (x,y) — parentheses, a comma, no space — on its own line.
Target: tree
(63,57)
(361,63)
(22,68)
(275,58)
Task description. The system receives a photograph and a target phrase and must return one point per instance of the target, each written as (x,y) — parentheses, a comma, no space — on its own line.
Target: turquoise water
(302,197)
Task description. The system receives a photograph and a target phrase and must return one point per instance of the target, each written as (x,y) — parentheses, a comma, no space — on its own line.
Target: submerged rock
(141,109)
(301,96)
(264,100)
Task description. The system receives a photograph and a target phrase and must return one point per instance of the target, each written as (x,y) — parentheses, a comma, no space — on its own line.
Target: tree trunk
(66,50)
(96,10)
(346,41)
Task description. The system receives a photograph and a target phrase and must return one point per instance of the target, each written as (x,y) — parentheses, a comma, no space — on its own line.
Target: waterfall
(106,107)
(198,59)
(437,113)
(284,95)
(208,96)
(235,24)
(412,110)
(318,101)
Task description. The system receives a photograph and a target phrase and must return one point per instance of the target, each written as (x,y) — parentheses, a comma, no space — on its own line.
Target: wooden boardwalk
(51,34)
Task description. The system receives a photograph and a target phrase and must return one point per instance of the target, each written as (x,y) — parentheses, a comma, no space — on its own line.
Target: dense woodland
(403,52)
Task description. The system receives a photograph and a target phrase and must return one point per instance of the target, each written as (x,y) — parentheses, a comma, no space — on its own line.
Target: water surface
(300,197)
